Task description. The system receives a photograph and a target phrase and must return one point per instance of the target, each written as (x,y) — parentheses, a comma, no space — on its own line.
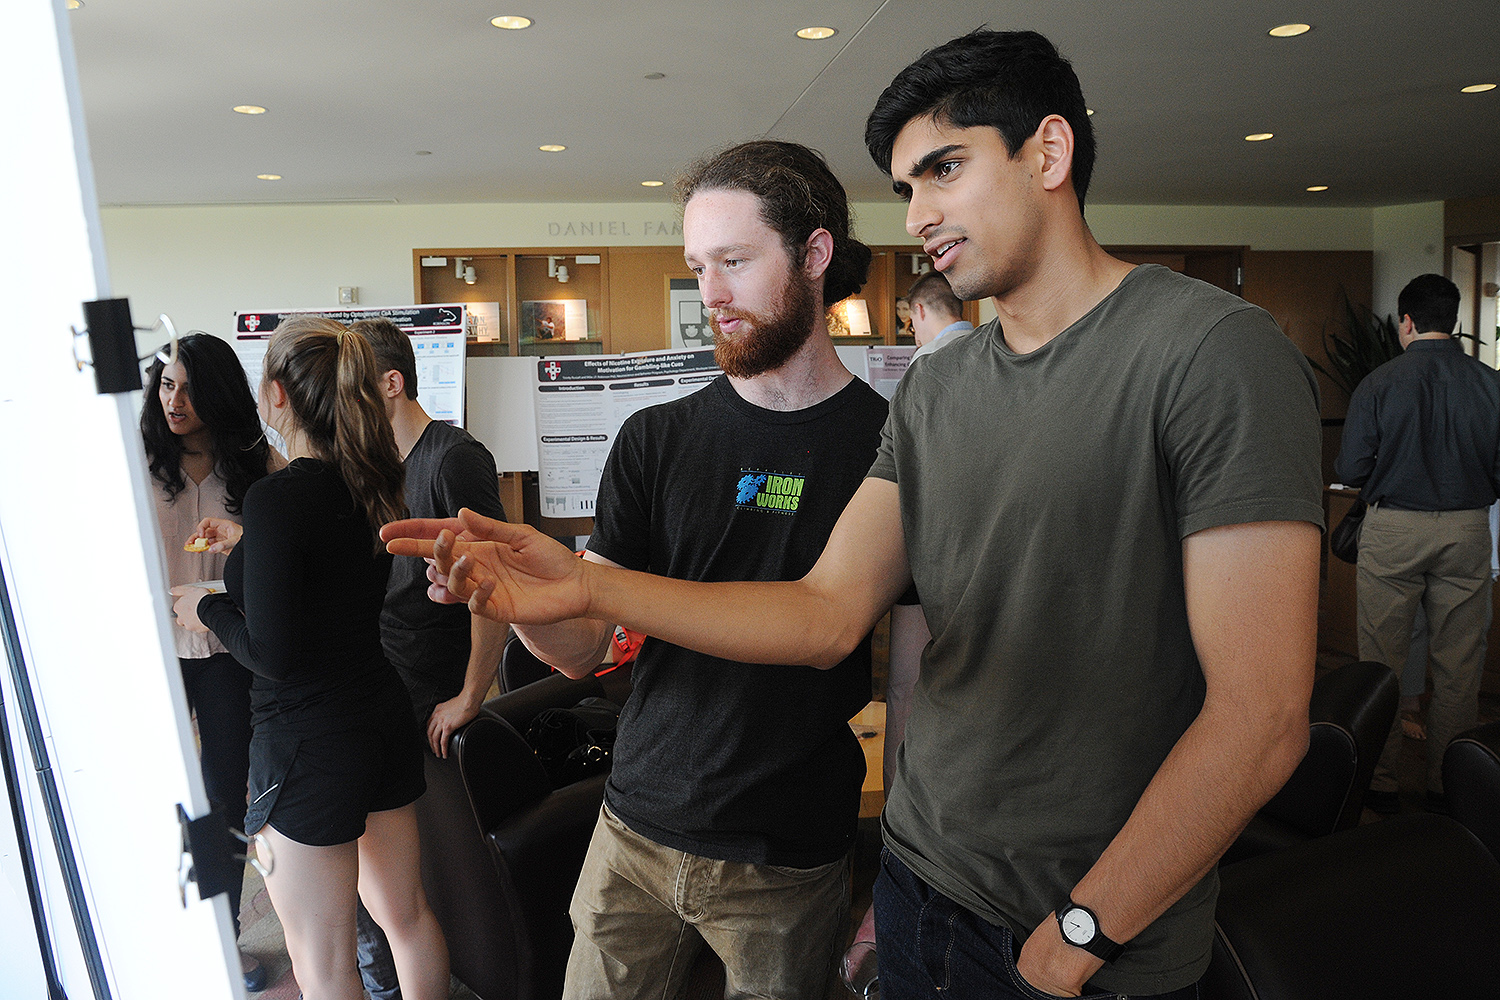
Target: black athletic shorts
(317,787)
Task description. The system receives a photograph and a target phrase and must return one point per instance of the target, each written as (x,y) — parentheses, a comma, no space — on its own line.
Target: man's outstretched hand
(505,572)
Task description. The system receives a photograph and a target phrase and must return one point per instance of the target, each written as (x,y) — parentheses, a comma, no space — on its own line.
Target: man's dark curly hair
(798,194)
(1008,80)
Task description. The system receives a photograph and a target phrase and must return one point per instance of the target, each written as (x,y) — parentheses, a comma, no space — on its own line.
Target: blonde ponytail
(330,380)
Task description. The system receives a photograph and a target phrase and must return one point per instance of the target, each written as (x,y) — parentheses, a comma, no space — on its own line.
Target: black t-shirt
(739,762)
(305,587)
(428,642)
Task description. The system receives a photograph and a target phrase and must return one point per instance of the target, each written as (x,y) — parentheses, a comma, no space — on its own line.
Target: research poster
(581,401)
(437,338)
(885,366)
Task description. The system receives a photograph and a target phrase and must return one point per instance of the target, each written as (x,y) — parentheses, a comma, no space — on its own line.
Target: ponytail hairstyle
(330,380)
(222,399)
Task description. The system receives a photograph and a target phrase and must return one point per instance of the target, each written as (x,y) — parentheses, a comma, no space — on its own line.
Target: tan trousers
(1440,560)
(642,912)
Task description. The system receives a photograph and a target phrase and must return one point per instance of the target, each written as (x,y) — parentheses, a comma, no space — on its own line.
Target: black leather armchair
(519,666)
(502,848)
(1471,780)
(1351,712)
(1397,909)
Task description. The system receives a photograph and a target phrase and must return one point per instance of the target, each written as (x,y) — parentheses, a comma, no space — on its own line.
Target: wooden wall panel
(1303,291)
(638,296)
(1471,219)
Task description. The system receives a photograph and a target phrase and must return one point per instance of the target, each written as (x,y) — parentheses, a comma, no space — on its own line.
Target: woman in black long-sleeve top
(335,760)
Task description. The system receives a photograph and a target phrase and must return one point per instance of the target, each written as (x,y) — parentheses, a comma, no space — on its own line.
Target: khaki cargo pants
(642,912)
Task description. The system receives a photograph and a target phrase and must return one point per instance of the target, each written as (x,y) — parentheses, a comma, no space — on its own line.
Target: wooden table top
(869,725)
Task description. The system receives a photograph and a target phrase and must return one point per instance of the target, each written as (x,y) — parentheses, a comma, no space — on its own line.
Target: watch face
(1078,925)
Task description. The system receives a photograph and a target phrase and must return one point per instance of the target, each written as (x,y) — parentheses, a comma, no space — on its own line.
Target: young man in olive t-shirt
(1108,499)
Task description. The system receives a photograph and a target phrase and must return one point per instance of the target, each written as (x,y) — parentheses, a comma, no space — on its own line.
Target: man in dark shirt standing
(1422,440)
(446,657)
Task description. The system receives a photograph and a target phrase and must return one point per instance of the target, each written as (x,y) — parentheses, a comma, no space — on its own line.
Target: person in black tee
(763,767)
(446,657)
(733,800)
(335,756)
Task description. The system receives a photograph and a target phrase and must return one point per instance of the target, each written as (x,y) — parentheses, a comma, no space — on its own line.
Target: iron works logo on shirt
(768,491)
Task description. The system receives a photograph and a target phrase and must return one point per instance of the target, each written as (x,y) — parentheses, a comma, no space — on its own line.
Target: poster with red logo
(582,400)
(437,334)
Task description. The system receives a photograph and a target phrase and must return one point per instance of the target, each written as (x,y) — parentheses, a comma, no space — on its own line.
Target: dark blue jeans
(377,967)
(931,947)
(218,692)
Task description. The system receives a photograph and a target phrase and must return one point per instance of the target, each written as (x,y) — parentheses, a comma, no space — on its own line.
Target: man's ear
(1055,140)
(392,384)
(819,253)
(919,310)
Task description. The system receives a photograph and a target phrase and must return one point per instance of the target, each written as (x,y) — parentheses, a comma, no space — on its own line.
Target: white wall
(1408,242)
(1261,228)
(200,263)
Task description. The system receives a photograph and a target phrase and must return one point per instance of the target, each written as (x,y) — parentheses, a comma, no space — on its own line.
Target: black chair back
(1471,780)
(1387,911)
(519,666)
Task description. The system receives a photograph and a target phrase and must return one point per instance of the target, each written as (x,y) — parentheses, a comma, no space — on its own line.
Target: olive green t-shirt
(1044,499)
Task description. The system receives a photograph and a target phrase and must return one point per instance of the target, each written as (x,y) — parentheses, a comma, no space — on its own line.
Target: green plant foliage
(1364,344)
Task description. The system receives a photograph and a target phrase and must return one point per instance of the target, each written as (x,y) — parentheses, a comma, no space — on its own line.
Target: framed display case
(553,301)
(560,303)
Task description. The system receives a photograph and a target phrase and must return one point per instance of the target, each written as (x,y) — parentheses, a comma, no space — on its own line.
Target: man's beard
(772,338)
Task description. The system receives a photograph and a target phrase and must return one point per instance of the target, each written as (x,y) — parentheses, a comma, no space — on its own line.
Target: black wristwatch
(1080,928)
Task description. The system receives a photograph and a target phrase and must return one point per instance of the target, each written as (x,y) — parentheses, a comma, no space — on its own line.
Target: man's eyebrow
(732,248)
(925,163)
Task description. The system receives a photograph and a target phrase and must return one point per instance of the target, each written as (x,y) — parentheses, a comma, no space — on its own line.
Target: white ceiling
(1368,102)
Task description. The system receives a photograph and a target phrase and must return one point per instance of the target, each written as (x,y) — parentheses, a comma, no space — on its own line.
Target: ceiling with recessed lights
(404,102)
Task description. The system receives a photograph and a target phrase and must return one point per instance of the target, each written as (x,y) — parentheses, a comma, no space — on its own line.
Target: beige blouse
(179,519)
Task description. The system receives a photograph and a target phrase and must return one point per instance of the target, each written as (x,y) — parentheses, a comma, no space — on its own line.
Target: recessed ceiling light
(1259,136)
(814,34)
(1090,111)
(552,147)
(651,184)
(1318,187)
(1478,88)
(1289,30)
(511,22)
(74,4)
(250,109)
(268,177)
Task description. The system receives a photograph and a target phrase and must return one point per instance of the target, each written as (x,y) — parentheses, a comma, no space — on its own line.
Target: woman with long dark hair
(336,756)
(205,448)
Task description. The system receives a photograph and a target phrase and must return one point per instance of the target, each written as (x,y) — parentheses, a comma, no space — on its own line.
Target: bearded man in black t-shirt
(731,808)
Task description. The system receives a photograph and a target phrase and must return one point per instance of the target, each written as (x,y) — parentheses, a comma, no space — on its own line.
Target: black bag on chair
(573,743)
(1343,541)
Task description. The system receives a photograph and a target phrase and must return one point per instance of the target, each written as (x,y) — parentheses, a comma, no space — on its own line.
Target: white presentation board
(581,403)
(437,334)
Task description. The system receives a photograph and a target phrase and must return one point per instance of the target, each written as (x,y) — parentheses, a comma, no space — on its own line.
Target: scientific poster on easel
(437,336)
(582,401)
(882,367)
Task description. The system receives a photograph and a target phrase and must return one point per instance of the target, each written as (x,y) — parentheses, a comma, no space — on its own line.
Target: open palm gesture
(505,572)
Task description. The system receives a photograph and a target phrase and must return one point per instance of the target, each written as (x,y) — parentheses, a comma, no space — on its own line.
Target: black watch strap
(1096,943)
